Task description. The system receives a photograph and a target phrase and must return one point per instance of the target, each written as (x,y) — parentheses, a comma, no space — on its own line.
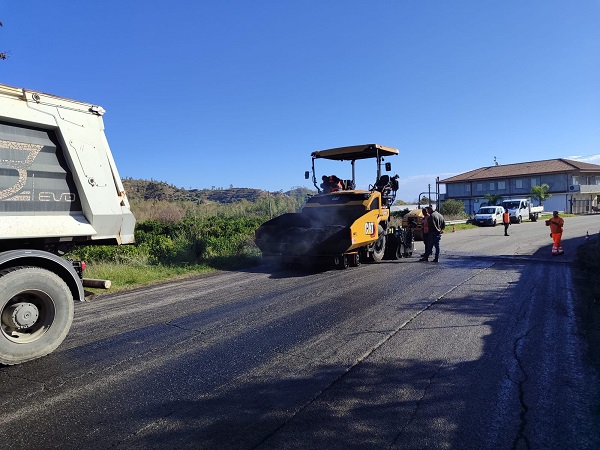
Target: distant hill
(141,190)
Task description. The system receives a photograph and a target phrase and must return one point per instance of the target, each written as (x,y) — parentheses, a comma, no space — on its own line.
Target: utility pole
(429,192)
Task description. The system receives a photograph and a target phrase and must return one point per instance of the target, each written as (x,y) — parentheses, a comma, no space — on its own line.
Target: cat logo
(370,228)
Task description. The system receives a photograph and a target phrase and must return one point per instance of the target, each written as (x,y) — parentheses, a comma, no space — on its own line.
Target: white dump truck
(59,187)
(521,209)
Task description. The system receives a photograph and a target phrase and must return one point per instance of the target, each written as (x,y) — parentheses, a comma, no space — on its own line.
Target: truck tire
(520,219)
(36,308)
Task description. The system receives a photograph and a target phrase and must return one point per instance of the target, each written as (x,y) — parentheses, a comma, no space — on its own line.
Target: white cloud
(592,159)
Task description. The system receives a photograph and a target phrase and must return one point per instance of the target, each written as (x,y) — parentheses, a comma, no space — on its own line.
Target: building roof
(524,169)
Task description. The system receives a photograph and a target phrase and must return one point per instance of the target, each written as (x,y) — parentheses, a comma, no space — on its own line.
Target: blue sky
(232,92)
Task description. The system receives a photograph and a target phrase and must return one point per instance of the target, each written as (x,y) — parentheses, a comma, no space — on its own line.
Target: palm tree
(492,199)
(540,193)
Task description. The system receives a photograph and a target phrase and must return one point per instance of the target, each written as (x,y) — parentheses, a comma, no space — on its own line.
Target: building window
(479,187)
(519,184)
(501,185)
(468,187)
(492,186)
(575,179)
(534,182)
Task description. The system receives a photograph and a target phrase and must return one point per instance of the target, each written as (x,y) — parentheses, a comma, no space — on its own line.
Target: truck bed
(58,180)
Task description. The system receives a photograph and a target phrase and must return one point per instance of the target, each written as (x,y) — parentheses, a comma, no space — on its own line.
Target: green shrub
(194,240)
(453,208)
(120,254)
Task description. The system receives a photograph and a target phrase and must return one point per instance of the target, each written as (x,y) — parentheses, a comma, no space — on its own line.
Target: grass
(459,226)
(129,276)
(125,276)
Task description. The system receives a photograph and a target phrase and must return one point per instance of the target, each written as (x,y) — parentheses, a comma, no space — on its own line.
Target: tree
(453,207)
(3,55)
(492,198)
(540,193)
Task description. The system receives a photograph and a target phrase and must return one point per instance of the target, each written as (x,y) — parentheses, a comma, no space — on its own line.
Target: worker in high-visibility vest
(556,230)
(506,221)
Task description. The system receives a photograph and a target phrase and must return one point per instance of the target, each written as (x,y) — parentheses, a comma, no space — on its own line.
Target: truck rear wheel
(36,308)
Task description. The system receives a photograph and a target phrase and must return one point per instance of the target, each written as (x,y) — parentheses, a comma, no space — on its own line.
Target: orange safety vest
(556,225)
(335,185)
(505,217)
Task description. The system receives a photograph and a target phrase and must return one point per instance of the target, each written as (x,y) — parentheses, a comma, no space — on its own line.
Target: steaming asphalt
(481,350)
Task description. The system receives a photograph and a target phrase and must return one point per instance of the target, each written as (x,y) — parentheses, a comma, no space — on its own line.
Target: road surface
(481,350)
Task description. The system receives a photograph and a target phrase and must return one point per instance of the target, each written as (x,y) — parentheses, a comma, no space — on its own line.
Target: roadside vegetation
(179,239)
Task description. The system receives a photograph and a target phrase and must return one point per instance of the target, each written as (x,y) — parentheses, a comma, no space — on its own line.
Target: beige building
(574,185)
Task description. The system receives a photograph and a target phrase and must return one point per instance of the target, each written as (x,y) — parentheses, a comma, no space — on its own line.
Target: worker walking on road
(556,229)
(506,221)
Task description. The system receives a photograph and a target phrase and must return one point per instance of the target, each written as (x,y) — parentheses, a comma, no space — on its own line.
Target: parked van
(489,215)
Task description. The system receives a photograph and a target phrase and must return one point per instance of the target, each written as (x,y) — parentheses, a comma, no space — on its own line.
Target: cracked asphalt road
(479,351)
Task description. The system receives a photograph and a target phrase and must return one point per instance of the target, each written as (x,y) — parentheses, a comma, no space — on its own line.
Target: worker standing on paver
(556,229)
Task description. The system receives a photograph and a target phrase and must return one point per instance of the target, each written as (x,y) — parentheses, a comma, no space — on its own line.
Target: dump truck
(341,225)
(59,187)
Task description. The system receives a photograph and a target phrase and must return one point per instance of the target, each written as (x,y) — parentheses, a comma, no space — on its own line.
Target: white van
(489,215)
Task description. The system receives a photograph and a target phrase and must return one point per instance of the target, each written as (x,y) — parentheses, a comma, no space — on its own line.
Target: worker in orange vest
(556,230)
(335,184)
(505,221)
